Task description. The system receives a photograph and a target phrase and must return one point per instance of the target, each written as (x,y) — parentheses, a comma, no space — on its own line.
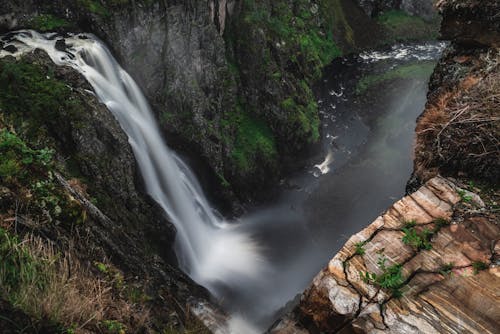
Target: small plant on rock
(446,269)
(359,248)
(479,266)
(390,279)
(417,240)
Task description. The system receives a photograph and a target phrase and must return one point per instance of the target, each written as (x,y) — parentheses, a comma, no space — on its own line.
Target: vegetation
(411,71)
(478,266)
(359,248)
(38,280)
(390,279)
(417,240)
(28,172)
(464,196)
(34,102)
(254,140)
(401,26)
(95,7)
(48,22)
(446,269)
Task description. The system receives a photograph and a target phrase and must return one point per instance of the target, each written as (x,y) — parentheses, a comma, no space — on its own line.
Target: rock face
(457,134)
(422,8)
(449,285)
(230,80)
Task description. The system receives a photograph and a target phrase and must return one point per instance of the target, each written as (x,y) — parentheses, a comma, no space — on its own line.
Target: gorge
(367,102)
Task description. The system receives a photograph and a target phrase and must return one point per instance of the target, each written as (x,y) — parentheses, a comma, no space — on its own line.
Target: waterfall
(210,250)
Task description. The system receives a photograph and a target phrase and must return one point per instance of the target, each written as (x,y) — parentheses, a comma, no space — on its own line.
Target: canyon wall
(429,264)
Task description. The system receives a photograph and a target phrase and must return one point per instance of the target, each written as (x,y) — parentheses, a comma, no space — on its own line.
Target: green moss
(48,22)
(411,71)
(36,102)
(400,26)
(254,141)
(95,7)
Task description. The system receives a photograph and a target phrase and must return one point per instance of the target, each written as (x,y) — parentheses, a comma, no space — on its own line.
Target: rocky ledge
(427,265)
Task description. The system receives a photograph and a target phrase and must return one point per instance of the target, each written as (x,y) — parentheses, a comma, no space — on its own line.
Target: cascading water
(212,251)
(255,268)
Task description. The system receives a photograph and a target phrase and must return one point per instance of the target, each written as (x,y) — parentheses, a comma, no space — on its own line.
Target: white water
(212,251)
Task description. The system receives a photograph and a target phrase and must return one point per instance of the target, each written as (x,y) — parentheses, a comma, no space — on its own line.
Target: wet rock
(61,45)
(10,48)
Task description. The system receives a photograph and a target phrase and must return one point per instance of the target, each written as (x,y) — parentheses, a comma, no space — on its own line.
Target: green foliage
(478,266)
(22,167)
(411,71)
(400,26)
(359,248)
(101,267)
(417,240)
(95,7)
(48,22)
(254,140)
(18,161)
(440,223)
(390,279)
(303,118)
(464,196)
(446,269)
(114,327)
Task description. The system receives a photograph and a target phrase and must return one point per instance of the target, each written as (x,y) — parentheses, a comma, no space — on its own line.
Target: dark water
(368,140)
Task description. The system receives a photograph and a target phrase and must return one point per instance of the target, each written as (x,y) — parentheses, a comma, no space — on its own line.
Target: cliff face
(429,263)
(458,132)
(230,80)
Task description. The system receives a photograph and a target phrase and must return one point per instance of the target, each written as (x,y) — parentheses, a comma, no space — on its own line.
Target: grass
(47,285)
(411,71)
(400,26)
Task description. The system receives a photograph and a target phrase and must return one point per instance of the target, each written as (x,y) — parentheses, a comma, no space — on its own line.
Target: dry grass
(460,131)
(55,287)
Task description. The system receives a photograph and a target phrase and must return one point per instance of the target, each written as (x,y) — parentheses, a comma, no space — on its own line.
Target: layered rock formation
(427,265)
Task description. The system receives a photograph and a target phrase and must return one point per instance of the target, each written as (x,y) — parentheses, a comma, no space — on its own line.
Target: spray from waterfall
(212,251)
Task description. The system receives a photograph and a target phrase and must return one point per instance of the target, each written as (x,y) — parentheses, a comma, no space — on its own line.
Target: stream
(255,266)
